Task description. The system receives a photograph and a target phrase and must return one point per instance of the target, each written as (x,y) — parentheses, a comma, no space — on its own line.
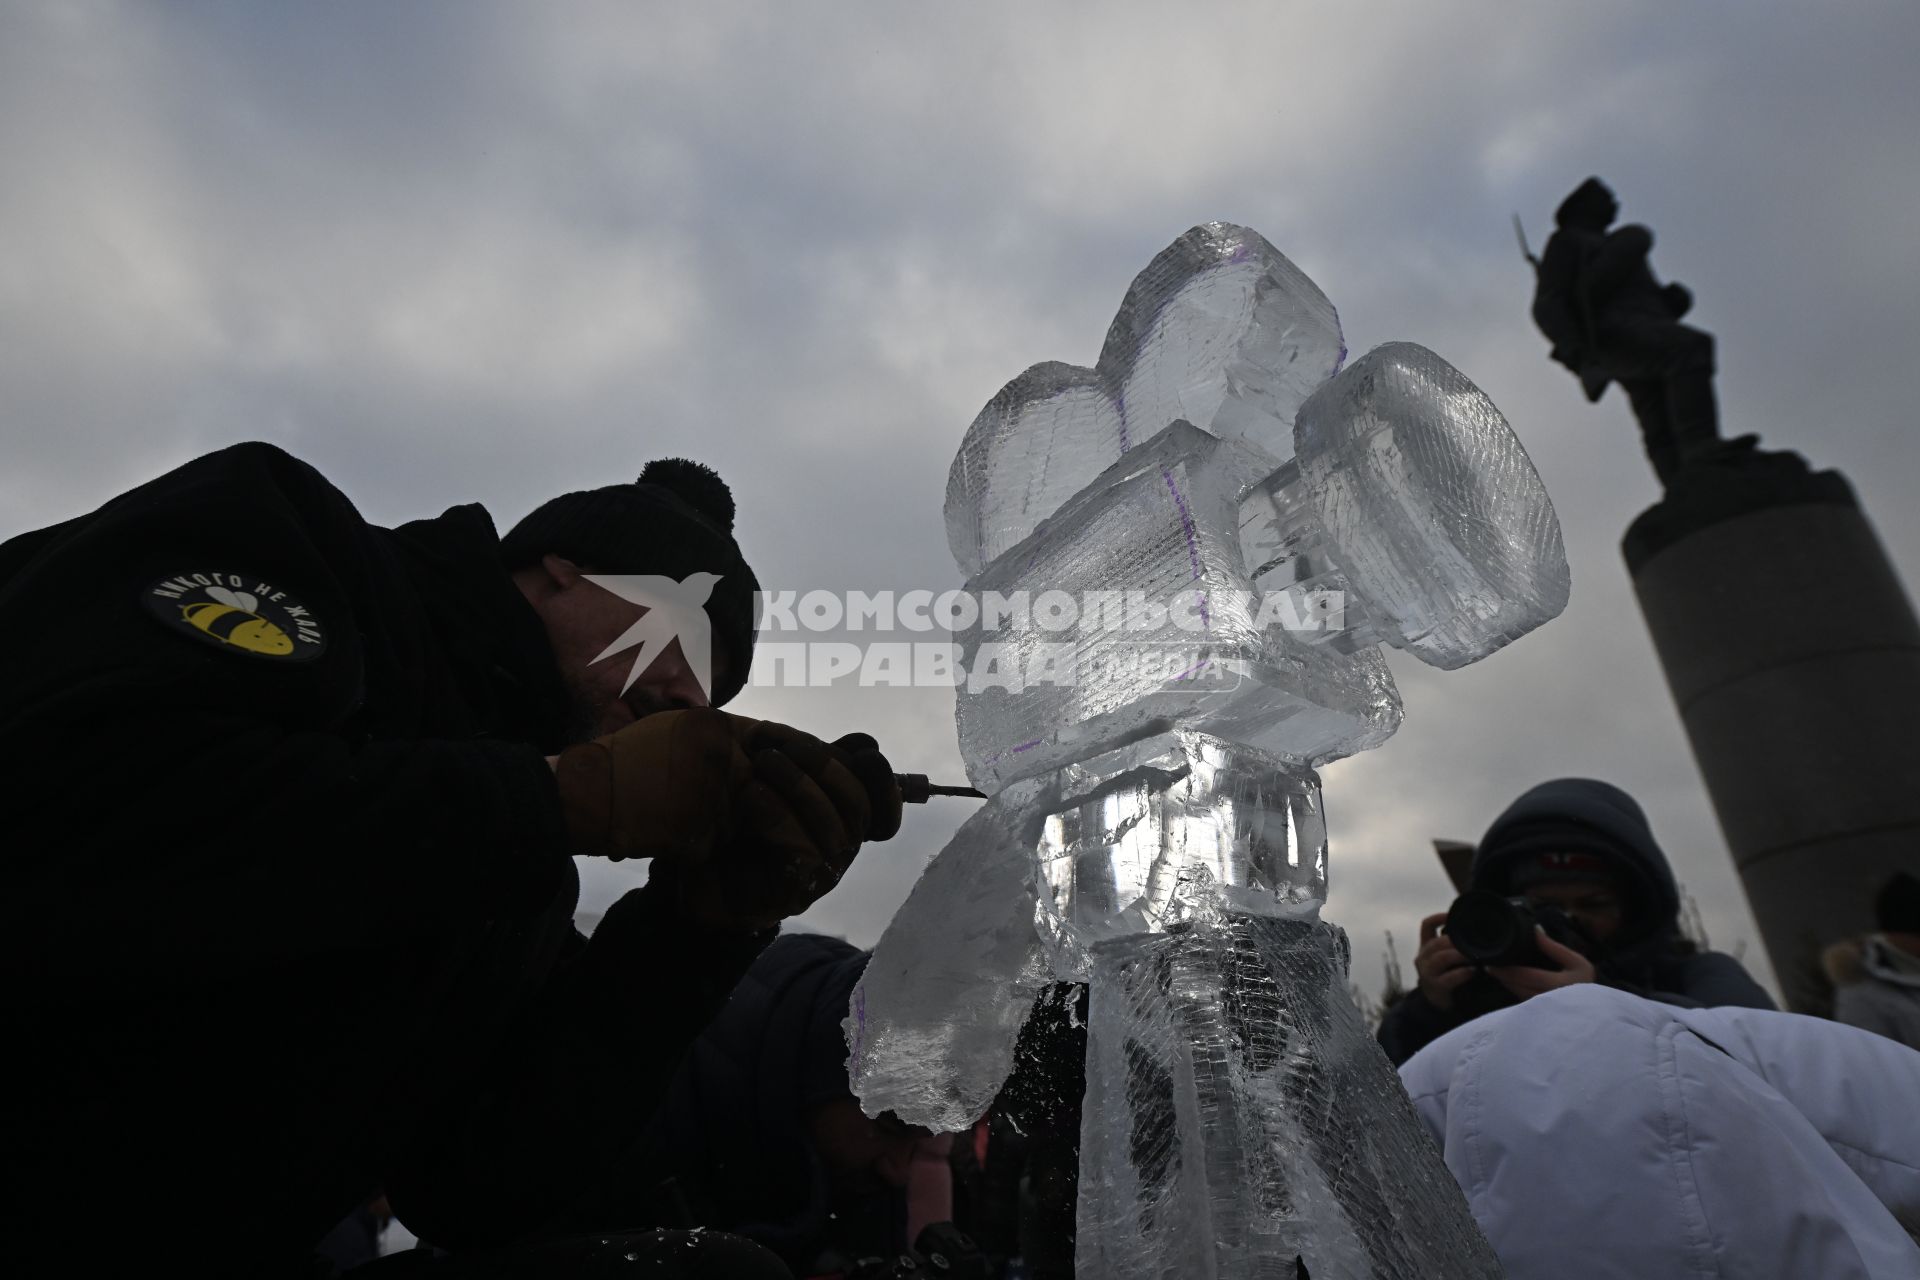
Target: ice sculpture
(1241,524)
(1219,330)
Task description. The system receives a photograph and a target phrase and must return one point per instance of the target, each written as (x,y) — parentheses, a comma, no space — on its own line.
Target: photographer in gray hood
(1578,855)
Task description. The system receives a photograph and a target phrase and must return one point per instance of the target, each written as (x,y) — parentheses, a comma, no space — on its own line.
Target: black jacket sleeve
(184,807)
(546,1148)
(1411,1025)
(1713,978)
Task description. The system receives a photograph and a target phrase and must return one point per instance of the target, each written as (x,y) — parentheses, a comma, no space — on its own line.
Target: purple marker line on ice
(1186,522)
(1193,546)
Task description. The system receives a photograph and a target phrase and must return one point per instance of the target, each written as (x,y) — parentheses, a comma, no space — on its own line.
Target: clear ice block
(1121,831)
(1240,1122)
(1047,869)
(1220,330)
(1037,443)
(1430,507)
(1159,529)
(932,1025)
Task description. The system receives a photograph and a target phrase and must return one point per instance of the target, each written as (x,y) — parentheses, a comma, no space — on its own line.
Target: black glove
(861,754)
(801,818)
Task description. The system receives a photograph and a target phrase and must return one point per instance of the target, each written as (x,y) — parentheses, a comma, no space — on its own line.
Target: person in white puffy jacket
(1597,1134)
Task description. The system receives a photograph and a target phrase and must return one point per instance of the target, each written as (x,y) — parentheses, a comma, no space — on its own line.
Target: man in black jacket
(1584,848)
(289,888)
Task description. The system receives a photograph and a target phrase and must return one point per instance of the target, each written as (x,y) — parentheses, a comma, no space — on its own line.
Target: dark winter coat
(288,898)
(731,1148)
(1648,957)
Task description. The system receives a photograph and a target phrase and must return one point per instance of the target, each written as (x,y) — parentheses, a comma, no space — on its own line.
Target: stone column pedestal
(1793,654)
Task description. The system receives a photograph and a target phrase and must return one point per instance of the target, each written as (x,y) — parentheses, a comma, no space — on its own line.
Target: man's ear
(561,571)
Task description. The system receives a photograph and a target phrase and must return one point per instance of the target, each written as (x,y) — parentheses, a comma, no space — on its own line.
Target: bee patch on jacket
(239,613)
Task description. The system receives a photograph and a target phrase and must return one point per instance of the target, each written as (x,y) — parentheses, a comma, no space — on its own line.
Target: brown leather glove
(667,786)
(804,816)
(748,821)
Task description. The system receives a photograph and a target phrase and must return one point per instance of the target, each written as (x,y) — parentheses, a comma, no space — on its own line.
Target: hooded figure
(1876,979)
(1584,847)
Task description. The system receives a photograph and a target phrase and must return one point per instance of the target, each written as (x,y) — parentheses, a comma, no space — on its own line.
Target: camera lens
(1485,927)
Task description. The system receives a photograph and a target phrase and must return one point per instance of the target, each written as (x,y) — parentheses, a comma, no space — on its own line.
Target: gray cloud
(457,252)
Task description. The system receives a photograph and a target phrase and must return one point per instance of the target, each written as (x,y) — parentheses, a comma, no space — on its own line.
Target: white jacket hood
(1600,1135)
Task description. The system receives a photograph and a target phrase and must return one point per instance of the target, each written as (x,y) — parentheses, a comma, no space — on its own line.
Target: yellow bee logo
(229,617)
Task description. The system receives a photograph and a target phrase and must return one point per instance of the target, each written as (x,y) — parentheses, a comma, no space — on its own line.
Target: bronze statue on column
(1610,320)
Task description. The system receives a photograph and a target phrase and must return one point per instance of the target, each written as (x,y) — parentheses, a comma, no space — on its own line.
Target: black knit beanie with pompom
(675,520)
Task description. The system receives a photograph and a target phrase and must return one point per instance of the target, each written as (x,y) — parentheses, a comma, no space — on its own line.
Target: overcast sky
(451,253)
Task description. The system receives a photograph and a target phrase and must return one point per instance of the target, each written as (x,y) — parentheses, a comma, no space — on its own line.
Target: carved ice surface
(1240,1117)
(1036,444)
(933,1021)
(1223,331)
(1155,827)
(1220,330)
(1050,867)
(1121,830)
(1158,528)
(1430,506)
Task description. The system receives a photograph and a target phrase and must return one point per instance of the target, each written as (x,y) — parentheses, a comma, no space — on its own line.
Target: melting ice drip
(1161,837)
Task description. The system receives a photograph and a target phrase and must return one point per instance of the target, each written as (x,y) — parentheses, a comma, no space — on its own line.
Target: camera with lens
(1491,929)
(943,1252)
